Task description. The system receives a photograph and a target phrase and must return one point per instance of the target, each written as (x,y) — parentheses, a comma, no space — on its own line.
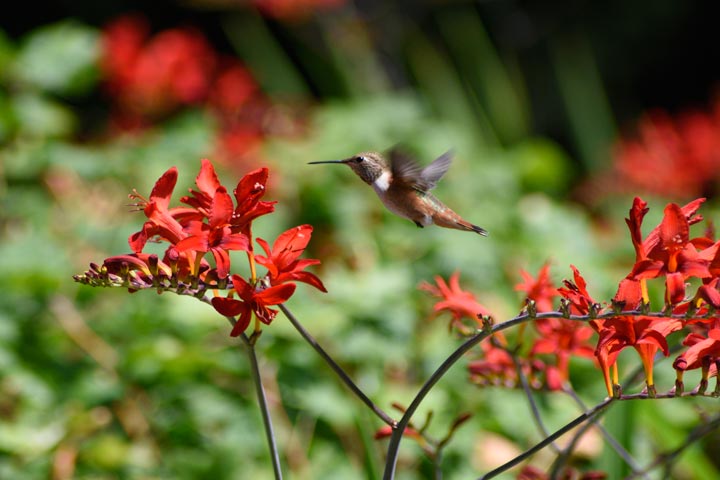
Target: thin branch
(337,369)
(619,449)
(563,457)
(550,438)
(531,400)
(666,458)
(262,402)
(396,437)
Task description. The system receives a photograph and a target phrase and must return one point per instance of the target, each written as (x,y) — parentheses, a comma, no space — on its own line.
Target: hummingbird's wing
(434,172)
(406,170)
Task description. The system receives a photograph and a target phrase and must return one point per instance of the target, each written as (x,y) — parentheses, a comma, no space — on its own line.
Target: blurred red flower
(294,9)
(460,303)
(151,76)
(673,156)
(540,289)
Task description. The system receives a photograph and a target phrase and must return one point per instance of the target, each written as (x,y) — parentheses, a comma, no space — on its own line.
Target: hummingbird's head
(367,165)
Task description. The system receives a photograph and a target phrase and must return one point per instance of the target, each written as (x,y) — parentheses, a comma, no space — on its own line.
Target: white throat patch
(382,183)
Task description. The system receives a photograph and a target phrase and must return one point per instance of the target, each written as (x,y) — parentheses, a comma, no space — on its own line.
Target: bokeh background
(558,114)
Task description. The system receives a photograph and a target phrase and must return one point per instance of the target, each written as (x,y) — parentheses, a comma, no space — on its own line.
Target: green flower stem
(588,415)
(337,369)
(394,445)
(624,454)
(262,402)
(530,398)
(249,343)
(666,458)
(396,437)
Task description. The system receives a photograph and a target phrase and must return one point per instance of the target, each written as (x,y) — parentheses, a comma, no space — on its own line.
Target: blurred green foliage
(147,386)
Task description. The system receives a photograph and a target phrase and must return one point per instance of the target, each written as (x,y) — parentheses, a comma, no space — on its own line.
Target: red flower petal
(275,295)
(228,306)
(163,189)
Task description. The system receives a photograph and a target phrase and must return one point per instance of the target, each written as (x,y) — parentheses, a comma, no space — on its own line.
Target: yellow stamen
(644,291)
(253,271)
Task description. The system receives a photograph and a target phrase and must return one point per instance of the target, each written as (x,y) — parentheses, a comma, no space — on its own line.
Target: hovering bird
(404,187)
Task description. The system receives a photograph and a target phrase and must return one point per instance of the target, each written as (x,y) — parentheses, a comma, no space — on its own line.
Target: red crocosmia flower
(634,223)
(647,248)
(495,368)
(154,75)
(216,235)
(629,294)
(540,289)
(200,200)
(562,338)
(671,156)
(161,221)
(239,139)
(669,251)
(252,300)
(709,294)
(704,352)
(250,189)
(282,259)
(122,41)
(232,89)
(576,293)
(459,303)
(645,334)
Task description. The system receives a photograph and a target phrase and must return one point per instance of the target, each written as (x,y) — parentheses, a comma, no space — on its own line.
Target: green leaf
(38,116)
(60,58)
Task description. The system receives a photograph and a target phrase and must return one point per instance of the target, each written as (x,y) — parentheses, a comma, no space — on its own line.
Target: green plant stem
(262,402)
(588,415)
(396,437)
(531,400)
(666,458)
(337,368)
(399,429)
(624,454)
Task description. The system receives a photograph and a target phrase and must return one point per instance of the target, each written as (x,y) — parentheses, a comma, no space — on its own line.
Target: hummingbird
(404,187)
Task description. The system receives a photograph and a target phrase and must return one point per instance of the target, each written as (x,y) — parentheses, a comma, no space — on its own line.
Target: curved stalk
(337,368)
(588,415)
(262,402)
(396,437)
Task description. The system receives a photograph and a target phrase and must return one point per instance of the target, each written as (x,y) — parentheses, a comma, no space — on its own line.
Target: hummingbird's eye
(359,159)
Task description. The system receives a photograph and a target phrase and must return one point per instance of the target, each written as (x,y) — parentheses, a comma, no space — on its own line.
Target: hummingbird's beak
(327,161)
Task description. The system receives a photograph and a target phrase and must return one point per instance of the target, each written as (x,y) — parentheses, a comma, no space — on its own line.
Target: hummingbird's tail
(464,225)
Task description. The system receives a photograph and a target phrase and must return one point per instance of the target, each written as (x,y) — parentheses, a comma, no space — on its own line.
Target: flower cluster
(681,152)
(149,77)
(667,254)
(208,227)
(558,338)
